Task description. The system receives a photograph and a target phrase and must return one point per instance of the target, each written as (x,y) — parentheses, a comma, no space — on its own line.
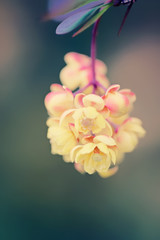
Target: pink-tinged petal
(79,167)
(119,104)
(69,92)
(93,100)
(58,102)
(133,120)
(129,94)
(110,172)
(109,141)
(112,104)
(73,57)
(87,139)
(66,116)
(74,131)
(78,101)
(56,88)
(113,88)
(105,112)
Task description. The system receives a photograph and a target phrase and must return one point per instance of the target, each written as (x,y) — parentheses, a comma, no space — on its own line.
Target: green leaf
(93,19)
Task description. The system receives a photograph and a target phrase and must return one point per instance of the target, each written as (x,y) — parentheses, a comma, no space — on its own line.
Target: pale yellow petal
(87,148)
(67,158)
(113,156)
(110,172)
(105,139)
(127,141)
(74,152)
(90,112)
(66,117)
(93,100)
(103,148)
(88,165)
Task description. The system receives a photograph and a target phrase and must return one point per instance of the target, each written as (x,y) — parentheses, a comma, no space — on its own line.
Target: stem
(82,89)
(93,51)
(94,82)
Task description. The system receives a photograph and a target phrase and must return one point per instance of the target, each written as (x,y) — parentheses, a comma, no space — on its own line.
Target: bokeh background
(41,197)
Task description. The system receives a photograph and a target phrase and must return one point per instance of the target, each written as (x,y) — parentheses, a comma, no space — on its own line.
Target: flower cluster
(91,127)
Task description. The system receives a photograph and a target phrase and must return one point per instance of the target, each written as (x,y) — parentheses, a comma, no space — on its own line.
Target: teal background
(42,197)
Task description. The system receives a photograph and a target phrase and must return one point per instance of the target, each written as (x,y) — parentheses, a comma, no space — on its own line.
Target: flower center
(97,157)
(87,123)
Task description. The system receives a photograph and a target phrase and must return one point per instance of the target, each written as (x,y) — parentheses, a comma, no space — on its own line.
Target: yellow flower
(78,72)
(62,139)
(88,120)
(98,155)
(128,133)
(87,117)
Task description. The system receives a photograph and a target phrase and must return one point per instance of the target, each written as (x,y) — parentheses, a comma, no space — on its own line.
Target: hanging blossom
(92,126)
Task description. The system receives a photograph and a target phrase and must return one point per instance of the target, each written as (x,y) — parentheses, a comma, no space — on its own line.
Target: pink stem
(82,89)
(101,86)
(93,51)
(94,82)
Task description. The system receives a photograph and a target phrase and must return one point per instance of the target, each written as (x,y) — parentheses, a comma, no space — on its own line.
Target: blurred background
(42,197)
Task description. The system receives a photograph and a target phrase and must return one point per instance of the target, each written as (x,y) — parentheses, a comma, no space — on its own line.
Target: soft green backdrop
(42,197)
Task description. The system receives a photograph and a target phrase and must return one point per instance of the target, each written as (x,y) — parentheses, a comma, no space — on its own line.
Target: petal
(107,130)
(128,93)
(74,152)
(113,88)
(76,58)
(70,77)
(110,172)
(90,112)
(87,148)
(52,121)
(78,100)
(88,165)
(103,148)
(113,156)
(103,166)
(93,101)
(66,158)
(99,124)
(126,141)
(66,116)
(109,141)
(57,102)
(134,125)
(56,88)
(79,167)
